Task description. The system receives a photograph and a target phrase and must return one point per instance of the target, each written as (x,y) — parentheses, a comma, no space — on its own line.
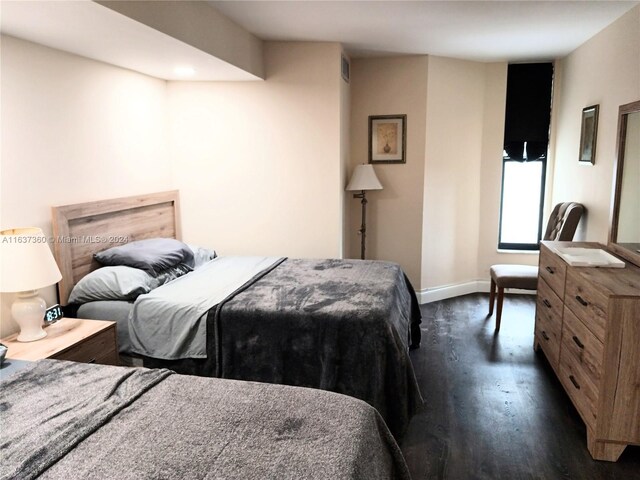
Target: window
(524,161)
(521,204)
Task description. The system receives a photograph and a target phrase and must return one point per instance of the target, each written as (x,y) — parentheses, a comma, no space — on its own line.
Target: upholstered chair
(562,226)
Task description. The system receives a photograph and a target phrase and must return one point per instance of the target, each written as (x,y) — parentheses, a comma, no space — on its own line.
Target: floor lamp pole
(363,178)
(363,225)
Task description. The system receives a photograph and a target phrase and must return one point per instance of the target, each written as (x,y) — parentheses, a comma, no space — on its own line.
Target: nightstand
(74,339)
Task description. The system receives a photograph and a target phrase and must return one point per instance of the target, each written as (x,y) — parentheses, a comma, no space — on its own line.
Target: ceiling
(475,30)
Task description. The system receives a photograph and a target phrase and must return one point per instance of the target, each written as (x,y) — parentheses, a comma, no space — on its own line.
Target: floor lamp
(364,178)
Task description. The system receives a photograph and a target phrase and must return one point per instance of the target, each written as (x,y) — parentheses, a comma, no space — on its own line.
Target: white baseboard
(434,294)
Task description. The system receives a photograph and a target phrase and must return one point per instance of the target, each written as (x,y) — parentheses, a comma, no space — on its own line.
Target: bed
(340,325)
(65,420)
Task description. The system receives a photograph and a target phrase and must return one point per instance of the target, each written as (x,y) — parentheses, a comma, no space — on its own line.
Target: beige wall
(261,166)
(605,71)
(345,155)
(455,102)
(74,130)
(258,164)
(385,86)
(438,214)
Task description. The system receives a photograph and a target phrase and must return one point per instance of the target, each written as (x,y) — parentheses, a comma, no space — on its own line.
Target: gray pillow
(153,255)
(202,255)
(172,273)
(121,283)
(112,283)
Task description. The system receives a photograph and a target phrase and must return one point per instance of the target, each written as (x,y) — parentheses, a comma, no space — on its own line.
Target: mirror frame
(616,248)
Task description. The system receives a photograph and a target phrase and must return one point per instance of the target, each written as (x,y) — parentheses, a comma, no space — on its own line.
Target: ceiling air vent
(345,68)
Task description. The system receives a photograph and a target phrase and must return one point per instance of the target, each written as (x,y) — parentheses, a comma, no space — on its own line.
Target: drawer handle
(582,301)
(546,302)
(573,380)
(544,335)
(578,342)
(550,270)
(93,360)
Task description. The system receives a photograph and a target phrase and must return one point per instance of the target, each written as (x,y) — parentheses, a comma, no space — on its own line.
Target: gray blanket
(338,325)
(64,420)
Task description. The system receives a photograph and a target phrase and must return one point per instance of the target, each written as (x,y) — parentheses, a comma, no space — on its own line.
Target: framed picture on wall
(387,138)
(589,134)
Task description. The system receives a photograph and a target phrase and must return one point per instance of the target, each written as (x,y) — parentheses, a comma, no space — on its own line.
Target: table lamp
(364,178)
(27,264)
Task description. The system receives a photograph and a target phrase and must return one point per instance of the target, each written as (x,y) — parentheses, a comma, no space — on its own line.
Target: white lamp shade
(26,262)
(364,178)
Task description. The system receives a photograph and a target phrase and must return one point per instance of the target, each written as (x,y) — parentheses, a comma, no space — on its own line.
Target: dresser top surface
(611,281)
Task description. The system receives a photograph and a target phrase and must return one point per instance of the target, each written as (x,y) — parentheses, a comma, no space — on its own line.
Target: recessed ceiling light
(184,71)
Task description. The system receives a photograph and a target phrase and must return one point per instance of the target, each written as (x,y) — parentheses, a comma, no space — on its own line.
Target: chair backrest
(563,221)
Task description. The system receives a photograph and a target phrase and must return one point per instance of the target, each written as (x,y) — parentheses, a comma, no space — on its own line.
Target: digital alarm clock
(53,314)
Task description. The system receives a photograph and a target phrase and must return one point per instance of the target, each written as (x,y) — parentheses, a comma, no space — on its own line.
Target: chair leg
(492,296)
(499,311)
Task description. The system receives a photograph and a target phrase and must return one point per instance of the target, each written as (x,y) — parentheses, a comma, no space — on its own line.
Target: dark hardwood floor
(494,409)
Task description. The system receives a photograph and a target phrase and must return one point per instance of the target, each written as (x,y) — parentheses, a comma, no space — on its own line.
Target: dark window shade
(528,110)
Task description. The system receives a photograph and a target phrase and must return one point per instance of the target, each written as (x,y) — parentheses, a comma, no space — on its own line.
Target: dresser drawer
(587,303)
(549,341)
(548,305)
(583,394)
(553,270)
(584,348)
(549,322)
(100,348)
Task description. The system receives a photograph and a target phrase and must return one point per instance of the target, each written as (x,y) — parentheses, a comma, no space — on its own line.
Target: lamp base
(28,312)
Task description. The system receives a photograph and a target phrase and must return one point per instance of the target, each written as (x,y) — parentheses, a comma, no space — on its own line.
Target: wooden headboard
(83,229)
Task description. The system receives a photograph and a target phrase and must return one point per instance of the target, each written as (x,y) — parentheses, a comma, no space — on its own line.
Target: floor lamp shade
(364,178)
(27,264)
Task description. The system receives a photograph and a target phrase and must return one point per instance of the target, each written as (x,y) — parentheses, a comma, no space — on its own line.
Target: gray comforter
(170,322)
(64,420)
(339,325)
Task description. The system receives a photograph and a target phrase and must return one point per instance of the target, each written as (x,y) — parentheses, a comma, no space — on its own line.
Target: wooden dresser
(588,326)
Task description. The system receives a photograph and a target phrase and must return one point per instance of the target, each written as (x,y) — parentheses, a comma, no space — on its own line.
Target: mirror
(624,236)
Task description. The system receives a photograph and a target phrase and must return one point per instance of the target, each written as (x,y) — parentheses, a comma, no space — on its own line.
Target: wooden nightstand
(74,339)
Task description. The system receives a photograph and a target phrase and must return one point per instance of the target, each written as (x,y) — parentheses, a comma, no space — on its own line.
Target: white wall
(606,71)
(259,164)
(74,130)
